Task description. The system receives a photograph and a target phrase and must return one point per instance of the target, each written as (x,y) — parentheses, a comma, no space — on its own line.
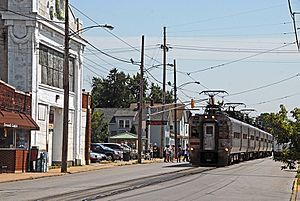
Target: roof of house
(111,113)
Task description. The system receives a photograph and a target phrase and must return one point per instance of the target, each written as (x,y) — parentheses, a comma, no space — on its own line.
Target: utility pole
(162,131)
(175,111)
(64,157)
(141,104)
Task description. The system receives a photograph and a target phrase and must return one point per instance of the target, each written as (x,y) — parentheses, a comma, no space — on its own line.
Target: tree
(134,88)
(156,94)
(99,127)
(286,132)
(111,92)
(133,130)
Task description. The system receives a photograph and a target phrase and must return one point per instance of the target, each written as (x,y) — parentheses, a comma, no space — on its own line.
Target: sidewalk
(9,177)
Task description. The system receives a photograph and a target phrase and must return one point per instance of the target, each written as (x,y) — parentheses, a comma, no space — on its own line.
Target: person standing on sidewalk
(179,152)
(186,154)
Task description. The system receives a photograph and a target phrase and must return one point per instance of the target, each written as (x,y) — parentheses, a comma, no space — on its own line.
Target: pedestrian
(172,153)
(167,153)
(151,151)
(155,151)
(186,154)
(179,152)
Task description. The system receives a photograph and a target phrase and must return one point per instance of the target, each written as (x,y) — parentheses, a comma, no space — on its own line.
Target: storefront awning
(17,120)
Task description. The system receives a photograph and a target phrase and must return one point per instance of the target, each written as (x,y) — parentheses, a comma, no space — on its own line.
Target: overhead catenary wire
(238,60)
(275,99)
(265,86)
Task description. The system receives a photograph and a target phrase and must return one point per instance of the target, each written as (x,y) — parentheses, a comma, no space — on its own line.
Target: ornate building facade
(31,60)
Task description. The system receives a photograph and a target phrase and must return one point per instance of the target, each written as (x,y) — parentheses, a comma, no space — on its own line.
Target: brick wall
(14,100)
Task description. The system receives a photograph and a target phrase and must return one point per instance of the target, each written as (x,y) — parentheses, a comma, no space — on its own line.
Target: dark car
(117,147)
(110,153)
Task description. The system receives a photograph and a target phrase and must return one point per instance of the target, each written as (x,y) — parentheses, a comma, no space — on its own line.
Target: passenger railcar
(217,139)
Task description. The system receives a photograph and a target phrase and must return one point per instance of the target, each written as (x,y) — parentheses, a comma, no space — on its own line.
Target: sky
(246,48)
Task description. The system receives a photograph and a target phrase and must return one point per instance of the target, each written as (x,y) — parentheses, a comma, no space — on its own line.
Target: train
(218,139)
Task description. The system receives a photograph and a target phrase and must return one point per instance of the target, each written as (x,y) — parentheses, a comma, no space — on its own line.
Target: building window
(121,123)
(127,124)
(42,112)
(52,63)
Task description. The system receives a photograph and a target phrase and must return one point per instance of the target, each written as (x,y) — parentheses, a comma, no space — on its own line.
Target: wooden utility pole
(175,110)
(64,157)
(162,130)
(141,105)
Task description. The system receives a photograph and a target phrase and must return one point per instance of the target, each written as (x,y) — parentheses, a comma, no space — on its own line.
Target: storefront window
(14,138)
(22,138)
(6,138)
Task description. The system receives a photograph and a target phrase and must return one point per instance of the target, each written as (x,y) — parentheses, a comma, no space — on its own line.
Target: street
(259,179)
(252,180)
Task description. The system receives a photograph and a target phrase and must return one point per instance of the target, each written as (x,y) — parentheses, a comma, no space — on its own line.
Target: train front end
(209,140)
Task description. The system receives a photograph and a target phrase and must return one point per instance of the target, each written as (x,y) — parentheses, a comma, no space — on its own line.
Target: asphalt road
(253,180)
(258,180)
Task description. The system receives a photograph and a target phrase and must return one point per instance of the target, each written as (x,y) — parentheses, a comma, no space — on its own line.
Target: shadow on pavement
(178,165)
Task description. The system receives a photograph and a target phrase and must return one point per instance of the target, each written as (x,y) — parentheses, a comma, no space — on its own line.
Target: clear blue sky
(241,41)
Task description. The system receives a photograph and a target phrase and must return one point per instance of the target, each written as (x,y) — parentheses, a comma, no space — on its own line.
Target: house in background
(119,120)
(31,60)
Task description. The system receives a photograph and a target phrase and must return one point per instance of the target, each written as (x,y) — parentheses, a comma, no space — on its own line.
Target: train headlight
(226,149)
(192,149)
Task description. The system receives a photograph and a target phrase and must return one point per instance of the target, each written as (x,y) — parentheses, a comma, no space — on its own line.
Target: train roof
(249,125)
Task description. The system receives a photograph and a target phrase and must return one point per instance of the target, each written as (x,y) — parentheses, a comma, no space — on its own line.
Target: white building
(31,60)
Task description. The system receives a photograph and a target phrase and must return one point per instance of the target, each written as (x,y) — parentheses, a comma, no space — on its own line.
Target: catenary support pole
(162,130)
(175,111)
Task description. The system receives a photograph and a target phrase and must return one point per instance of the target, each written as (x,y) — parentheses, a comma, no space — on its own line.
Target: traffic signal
(192,103)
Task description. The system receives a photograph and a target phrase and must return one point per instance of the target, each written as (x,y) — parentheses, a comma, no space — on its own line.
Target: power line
(276,99)
(231,28)
(30,17)
(134,48)
(238,60)
(227,16)
(265,86)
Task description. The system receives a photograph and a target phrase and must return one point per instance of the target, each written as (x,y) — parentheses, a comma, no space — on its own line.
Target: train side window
(244,136)
(236,135)
(257,138)
(252,137)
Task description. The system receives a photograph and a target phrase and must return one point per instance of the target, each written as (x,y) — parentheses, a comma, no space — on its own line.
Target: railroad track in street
(103,191)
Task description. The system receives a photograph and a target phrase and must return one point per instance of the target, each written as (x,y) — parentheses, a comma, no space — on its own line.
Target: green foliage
(99,127)
(285,131)
(133,130)
(156,94)
(118,90)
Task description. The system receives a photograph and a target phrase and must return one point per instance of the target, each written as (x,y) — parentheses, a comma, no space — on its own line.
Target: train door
(209,136)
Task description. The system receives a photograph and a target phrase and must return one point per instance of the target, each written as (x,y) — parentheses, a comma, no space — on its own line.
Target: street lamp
(64,158)
(107,26)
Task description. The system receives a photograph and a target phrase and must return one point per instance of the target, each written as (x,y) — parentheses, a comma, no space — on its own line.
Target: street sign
(156,122)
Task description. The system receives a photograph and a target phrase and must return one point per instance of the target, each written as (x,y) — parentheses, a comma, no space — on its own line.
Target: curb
(295,187)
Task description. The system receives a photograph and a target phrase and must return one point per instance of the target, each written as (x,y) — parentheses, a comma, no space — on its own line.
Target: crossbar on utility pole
(64,157)
(140,131)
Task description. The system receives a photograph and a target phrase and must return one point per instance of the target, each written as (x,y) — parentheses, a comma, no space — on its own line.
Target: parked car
(133,152)
(97,157)
(110,153)
(117,147)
